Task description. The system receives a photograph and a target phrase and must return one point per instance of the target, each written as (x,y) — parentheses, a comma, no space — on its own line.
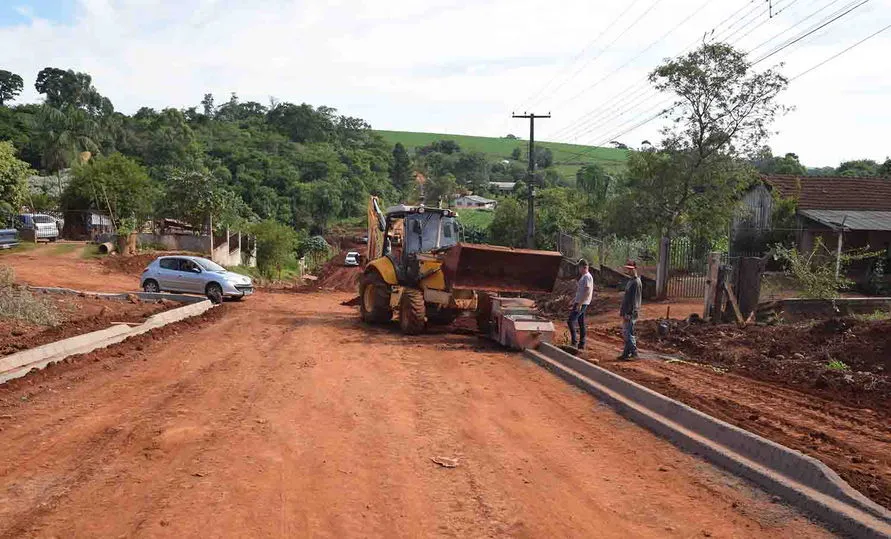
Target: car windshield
(208,265)
(43,219)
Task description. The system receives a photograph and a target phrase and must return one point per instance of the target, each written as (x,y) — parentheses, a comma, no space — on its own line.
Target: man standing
(630,310)
(584,293)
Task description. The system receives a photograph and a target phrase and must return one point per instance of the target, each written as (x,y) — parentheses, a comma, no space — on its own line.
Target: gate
(687,269)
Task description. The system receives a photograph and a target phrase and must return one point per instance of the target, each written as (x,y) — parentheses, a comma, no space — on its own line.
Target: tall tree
(400,172)
(885,168)
(10,86)
(858,167)
(60,135)
(116,184)
(722,113)
(13,178)
(65,89)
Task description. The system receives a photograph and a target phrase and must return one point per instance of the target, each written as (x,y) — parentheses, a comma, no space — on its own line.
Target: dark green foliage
(400,173)
(885,168)
(767,163)
(10,86)
(516,154)
(544,157)
(13,174)
(276,246)
(858,167)
(115,184)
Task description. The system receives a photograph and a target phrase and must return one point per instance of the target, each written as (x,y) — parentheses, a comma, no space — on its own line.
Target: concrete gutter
(19,364)
(121,296)
(801,480)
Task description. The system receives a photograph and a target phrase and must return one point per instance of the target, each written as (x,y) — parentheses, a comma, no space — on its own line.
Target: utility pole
(530,217)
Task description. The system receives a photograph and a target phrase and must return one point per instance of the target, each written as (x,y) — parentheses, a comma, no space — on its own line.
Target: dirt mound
(335,276)
(130,264)
(845,360)
(557,303)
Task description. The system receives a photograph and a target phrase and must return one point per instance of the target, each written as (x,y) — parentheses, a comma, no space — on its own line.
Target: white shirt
(585,290)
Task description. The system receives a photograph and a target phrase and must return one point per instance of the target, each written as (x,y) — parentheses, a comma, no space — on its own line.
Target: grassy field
(567,156)
(477,218)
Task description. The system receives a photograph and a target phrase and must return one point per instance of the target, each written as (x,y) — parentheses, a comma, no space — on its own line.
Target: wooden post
(838,252)
(748,288)
(711,285)
(662,268)
(720,295)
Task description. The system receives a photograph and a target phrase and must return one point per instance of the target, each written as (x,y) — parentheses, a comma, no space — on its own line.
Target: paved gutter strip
(19,364)
(801,480)
(120,296)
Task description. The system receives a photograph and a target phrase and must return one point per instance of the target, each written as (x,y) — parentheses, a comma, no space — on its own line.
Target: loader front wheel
(412,311)
(374,295)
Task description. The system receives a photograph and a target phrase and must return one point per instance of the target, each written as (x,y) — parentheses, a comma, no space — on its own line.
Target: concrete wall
(230,249)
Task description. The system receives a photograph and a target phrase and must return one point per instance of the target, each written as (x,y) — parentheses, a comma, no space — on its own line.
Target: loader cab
(412,230)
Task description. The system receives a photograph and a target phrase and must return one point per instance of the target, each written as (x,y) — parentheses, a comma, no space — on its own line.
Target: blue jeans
(630,339)
(577,316)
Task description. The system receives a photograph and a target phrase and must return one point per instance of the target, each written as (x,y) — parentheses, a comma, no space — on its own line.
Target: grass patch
(877,316)
(91,252)
(23,247)
(570,156)
(836,365)
(19,303)
(65,248)
(476,218)
(289,273)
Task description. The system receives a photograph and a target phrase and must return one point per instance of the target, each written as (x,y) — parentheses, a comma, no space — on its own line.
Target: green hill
(567,157)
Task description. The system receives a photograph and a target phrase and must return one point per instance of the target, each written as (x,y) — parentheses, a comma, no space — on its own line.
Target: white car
(193,274)
(351,259)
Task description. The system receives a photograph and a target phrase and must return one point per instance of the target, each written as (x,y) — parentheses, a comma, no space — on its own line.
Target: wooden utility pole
(530,217)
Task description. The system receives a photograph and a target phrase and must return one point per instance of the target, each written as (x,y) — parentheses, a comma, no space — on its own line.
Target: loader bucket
(500,269)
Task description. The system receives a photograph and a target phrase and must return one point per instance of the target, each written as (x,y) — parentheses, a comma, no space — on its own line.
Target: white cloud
(460,67)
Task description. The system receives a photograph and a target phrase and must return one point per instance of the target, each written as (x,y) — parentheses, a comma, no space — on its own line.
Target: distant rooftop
(834,192)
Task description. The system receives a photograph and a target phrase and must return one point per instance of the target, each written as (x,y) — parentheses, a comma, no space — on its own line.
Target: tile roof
(834,192)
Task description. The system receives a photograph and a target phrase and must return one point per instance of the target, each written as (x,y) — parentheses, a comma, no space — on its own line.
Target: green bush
(276,246)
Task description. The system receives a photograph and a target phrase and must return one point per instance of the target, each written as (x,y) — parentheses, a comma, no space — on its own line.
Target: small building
(502,188)
(855,211)
(475,202)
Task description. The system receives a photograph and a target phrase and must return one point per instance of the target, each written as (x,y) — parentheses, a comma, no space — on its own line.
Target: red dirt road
(284,416)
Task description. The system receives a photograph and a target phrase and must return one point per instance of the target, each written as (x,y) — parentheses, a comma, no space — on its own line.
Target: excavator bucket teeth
(500,269)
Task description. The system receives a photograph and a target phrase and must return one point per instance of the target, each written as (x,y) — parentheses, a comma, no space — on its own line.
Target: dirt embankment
(845,360)
(79,315)
(777,381)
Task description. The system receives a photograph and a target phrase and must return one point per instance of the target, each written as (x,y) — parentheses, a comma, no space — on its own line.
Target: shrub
(276,245)
(18,303)
(836,365)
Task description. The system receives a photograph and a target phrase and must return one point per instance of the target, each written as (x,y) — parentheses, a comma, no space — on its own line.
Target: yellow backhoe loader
(420,270)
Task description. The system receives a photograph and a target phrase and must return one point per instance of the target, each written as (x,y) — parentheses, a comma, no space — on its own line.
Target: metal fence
(687,269)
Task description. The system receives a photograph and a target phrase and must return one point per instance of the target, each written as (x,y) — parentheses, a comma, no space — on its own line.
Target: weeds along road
(283,416)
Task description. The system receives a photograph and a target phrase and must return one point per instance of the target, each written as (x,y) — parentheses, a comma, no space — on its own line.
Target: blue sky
(462,66)
(14,12)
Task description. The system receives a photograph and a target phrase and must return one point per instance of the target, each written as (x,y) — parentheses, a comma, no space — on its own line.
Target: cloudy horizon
(445,67)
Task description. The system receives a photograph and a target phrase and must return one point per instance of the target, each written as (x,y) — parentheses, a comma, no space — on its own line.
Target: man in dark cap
(630,311)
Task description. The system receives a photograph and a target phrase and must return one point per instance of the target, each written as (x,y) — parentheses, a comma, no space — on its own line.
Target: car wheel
(151,286)
(214,293)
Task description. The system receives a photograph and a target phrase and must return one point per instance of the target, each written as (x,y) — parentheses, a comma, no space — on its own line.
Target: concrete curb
(122,296)
(798,478)
(19,364)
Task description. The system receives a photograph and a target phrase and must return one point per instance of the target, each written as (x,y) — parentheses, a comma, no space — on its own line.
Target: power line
(641,53)
(834,56)
(799,38)
(531,99)
(830,19)
(569,128)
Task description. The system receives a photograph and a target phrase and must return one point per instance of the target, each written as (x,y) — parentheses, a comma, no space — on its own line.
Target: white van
(45,226)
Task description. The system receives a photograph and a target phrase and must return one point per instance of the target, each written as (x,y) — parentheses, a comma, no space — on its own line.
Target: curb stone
(801,480)
(19,364)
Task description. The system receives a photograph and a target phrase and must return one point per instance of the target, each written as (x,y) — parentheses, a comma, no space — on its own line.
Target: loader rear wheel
(412,311)
(374,296)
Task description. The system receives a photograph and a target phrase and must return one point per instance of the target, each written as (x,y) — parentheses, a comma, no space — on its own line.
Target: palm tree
(61,135)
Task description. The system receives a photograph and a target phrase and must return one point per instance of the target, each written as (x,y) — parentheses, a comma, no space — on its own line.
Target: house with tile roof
(855,211)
